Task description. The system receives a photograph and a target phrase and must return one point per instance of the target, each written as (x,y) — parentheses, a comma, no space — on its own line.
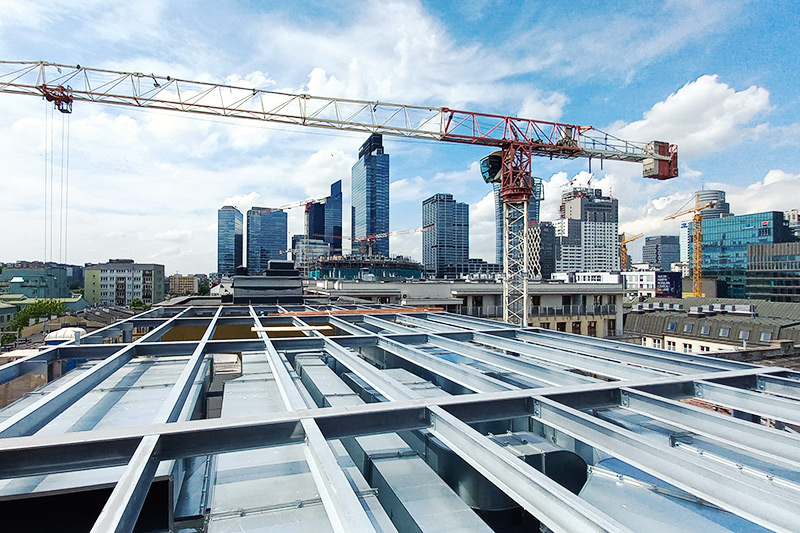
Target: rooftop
(382,418)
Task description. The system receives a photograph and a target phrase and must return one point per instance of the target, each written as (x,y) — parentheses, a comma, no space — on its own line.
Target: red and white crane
(519,139)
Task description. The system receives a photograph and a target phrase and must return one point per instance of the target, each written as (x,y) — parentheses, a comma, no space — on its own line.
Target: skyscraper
(315,220)
(266,238)
(661,251)
(333,218)
(370,194)
(587,231)
(230,230)
(448,242)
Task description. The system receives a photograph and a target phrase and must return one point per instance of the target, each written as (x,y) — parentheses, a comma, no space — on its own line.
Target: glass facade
(230,232)
(333,218)
(266,238)
(448,242)
(370,195)
(773,272)
(661,251)
(725,243)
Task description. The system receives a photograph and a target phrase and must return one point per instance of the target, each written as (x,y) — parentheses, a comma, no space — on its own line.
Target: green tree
(138,305)
(38,309)
(203,289)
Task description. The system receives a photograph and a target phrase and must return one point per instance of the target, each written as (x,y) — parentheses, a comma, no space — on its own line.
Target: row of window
(672,346)
(744,334)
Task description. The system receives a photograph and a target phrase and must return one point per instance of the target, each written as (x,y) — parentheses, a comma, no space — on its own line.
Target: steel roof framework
(580,386)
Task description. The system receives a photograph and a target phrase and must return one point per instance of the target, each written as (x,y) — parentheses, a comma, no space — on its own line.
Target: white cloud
(540,106)
(482,229)
(174,235)
(702,117)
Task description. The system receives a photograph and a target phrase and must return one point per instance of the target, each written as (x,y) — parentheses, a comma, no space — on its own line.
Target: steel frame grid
(649,382)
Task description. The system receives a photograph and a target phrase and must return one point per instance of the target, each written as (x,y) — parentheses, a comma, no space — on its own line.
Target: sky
(717,78)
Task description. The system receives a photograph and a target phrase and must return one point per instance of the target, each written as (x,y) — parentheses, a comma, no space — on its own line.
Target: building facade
(587,232)
(720,209)
(545,233)
(448,242)
(725,244)
(773,272)
(333,218)
(183,285)
(370,195)
(120,281)
(230,233)
(266,238)
(661,251)
(45,282)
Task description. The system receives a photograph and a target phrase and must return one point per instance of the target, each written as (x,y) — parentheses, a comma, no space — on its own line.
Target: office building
(333,218)
(44,282)
(230,232)
(448,242)
(725,246)
(773,272)
(307,250)
(183,285)
(721,209)
(370,195)
(545,234)
(266,238)
(587,232)
(120,281)
(793,219)
(661,251)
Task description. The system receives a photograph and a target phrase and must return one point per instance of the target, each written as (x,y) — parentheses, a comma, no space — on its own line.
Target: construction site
(304,415)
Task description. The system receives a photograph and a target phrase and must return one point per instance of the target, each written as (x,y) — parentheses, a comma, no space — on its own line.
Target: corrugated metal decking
(344,419)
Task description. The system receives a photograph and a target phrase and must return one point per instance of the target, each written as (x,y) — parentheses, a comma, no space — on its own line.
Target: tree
(138,305)
(38,309)
(203,289)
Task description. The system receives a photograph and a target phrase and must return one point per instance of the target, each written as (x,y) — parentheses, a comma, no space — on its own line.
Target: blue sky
(718,78)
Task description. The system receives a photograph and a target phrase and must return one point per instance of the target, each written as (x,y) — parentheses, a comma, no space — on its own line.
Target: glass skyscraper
(266,238)
(370,195)
(230,226)
(725,242)
(661,251)
(447,243)
(333,218)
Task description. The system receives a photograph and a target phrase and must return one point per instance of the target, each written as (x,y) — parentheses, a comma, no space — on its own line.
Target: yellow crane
(697,243)
(623,250)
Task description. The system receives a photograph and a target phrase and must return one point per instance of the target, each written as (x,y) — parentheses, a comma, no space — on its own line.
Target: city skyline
(681,85)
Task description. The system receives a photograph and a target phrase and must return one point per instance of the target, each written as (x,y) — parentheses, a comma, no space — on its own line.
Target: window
(724,332)
(671,345)
(705,348)
(766,336)
(657,343)
(687,328)
(744,334)
(671,326)
(687,348)
(545,325)
(705,330)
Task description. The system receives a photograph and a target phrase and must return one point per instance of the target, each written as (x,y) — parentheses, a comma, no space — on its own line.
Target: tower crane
(369,240)
(518,139)
(623,250)
(697,243)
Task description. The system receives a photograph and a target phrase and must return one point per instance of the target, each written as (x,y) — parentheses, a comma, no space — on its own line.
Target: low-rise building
(183,285)
(44,282)
(713,324)
(120,281)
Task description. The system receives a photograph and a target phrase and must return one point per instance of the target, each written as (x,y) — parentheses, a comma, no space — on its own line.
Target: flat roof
(397,418)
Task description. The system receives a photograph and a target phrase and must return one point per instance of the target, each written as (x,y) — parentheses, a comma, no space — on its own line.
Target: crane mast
(519,139)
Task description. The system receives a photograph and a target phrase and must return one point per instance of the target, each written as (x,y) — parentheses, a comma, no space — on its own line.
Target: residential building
(661,251)
(725,242)
(333,218)
(44,282)
(700,325)
(120,281)
(447,243)
(183,285)
(266,238)
(773,272)
(230,232)
(370,195)
(587,233)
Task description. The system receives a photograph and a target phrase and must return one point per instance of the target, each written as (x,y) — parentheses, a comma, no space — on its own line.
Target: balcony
(573,310)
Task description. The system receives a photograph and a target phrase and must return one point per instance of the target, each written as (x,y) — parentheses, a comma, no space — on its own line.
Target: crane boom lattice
(519,138)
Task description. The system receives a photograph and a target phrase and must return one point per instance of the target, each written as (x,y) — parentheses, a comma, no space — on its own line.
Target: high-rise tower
(370,195)
(448,242)
(266,238)
(230,230)
(333,218)
(587,231)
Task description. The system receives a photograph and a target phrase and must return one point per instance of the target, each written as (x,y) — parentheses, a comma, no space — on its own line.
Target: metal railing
(573,310)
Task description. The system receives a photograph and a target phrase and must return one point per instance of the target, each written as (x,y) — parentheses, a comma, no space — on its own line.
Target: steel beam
(758,403)
(39,413)
(545,499)
(593,365)
(760,501)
